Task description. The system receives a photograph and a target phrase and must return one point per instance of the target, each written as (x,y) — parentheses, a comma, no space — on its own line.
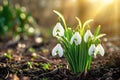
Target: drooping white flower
(92,49)
(100,50)
(76,38)
(58,30)
(87,35)
(57,50)
(96,50)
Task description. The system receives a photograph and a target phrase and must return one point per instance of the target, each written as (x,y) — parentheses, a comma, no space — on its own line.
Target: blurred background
(26,35)
(104,12)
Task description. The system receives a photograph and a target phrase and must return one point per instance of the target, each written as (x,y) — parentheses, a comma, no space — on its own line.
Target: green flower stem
(68,53)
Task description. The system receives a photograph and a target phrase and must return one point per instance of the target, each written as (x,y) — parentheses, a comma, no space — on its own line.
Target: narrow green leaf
(97,30)
(87,22)
(99,36)
(79,22)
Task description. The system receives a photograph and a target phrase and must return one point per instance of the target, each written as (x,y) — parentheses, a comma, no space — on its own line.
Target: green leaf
(79,22)
(69,33)
(87,22)
(46,66)
(31,50)
(99,36)
(97,30)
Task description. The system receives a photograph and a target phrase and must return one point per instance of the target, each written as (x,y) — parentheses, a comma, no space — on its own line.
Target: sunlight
(107,1)
(98,7)
(101,1)
(105,12)
(116,16)
(73,1)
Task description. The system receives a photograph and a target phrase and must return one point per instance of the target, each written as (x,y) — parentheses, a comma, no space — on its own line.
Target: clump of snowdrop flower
(78,46)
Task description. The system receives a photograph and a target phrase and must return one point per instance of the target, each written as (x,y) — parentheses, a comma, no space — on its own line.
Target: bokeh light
(104,12)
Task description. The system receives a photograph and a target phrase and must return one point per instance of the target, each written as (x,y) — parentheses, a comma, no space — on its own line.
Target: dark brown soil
(17,68)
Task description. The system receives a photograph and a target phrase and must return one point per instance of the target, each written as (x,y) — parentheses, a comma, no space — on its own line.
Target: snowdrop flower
(57,50)
(92,49)
(87,35)
(76,38)
(100,50)
(58,30)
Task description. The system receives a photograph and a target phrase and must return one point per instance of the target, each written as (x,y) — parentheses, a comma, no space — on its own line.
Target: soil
(26,64)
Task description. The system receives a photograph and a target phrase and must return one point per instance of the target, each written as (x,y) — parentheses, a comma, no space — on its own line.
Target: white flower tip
(101,50)
(54,51)
(76,38)
(91,49)
(54,54)
(87,35)
(95,56)
(58,30)
(60,54)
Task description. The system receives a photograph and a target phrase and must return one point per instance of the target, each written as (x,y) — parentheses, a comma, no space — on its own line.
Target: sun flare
(107,1)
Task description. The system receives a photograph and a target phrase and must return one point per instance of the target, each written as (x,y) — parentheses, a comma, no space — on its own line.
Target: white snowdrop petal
(101,50)
(95,55)
(58,30)
(76,38)
(55,29)
(54,51)
(71,41)
(60,50)
(91,49)
(87,35)
(54,32)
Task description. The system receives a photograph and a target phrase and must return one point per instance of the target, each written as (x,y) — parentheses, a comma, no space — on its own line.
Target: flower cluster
(75,39)
(78,46)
